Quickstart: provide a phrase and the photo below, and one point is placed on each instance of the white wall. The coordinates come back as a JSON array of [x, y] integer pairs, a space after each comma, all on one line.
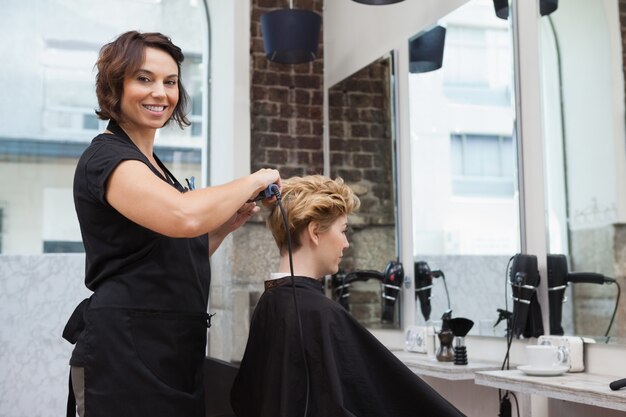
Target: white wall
[[356, 34], [230, 90], [37, 296]]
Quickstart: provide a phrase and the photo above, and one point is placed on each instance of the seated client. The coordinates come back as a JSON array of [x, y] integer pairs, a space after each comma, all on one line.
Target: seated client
[[348, 372]]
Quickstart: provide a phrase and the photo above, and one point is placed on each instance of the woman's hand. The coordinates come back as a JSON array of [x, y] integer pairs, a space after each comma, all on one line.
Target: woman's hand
[[265, 177], [238, 219]]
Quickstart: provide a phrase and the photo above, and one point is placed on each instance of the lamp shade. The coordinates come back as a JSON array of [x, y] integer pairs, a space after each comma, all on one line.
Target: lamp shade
[[547, 6], [502, 8], [290, 36], [377, 2], [426, 50]]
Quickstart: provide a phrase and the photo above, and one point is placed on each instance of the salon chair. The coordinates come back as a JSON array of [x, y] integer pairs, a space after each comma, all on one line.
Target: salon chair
[[219, 376]]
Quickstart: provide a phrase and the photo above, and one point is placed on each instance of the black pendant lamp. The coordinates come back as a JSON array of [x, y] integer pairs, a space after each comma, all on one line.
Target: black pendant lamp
[[426, 50], [547, 6], [502, 8], [290, 36], [377, 2]]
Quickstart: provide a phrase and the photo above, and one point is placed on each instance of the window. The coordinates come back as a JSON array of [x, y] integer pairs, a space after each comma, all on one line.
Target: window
[[478, 65], [463, 158], [482, 165], [68, 89], [1, 229], [50, 66]]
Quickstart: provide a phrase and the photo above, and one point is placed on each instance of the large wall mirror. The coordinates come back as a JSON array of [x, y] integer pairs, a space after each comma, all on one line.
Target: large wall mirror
[[361, 136], [583, 130], [463, 165]]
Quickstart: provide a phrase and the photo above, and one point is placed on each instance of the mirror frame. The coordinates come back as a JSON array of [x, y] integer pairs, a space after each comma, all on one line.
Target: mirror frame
[[383, 208], [525, 29]]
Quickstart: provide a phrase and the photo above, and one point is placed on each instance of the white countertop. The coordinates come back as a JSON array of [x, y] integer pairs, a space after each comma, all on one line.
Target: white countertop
[[580, 387], [422, 364]]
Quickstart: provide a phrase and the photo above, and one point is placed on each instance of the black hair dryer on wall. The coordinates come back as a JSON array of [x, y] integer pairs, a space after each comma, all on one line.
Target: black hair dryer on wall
[[558, 281], [524, 280], [393, 276], [423, 287], [424, 284], [391, 281]]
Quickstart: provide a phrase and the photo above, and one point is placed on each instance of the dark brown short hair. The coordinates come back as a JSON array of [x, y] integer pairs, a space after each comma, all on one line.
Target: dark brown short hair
[[124, 56]]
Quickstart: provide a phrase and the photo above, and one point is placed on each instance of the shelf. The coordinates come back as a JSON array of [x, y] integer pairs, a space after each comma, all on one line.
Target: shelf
[[422, 364], [579, 387]]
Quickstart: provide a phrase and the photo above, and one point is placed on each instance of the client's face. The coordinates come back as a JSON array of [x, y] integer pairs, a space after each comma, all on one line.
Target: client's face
[[332, 244]]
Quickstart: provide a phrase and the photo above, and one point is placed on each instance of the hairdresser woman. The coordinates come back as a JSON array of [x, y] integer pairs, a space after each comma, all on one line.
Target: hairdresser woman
[[141, 337]]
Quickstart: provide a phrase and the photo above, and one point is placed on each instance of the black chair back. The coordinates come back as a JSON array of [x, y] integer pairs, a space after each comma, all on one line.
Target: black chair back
[[219, 376]]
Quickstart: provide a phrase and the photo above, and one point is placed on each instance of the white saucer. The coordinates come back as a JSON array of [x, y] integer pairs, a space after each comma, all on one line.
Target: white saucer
[[530, 370]]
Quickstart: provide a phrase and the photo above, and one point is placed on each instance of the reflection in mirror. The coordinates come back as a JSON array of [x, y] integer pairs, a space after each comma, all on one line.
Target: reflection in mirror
[[463, 153], [583, 117], [362, 153]]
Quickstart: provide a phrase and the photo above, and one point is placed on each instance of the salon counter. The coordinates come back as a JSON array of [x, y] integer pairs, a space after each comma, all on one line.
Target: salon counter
[[423, 364], [579, 387], [474, 388]]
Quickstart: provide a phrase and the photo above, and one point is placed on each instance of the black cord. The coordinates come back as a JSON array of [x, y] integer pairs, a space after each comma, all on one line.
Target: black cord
[[619, 291], [443, 276], [342, 289], [516, 402], [509, 335], [295, 300], [509, 330]]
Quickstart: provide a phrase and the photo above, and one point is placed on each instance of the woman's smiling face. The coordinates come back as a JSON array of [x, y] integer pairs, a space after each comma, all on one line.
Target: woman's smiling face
[[151, 93]]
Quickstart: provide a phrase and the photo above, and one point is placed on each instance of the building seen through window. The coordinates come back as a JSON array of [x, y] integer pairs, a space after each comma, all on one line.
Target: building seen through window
[[49, 52], [464, 173], [483, 165]]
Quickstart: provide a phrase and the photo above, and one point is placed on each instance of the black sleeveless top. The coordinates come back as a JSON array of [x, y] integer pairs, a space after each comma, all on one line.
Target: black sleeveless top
[[127, 264]]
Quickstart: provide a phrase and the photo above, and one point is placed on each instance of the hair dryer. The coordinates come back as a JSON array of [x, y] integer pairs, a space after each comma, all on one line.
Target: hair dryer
[[391, 280], [424, 284], [341, 283], [558, 281], [392, 284], [342, 288], [524, 280]]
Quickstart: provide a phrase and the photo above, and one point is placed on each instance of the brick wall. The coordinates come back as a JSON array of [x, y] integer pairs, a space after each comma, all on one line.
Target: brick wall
[[360, 139], [287, 134], [286, 103], [361, 152]]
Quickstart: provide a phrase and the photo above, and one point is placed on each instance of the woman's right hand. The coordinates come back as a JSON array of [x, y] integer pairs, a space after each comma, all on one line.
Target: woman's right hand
[[264, 177]]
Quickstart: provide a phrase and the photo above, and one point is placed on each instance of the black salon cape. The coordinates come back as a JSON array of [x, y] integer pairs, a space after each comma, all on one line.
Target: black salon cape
[[351, 372]]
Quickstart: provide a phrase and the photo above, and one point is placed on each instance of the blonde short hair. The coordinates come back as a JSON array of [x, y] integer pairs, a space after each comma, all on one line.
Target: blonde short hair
[[307, 199]]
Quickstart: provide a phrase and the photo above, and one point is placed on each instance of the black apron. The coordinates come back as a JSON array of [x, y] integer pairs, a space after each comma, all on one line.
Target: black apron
[[140, 360], [150, 361]]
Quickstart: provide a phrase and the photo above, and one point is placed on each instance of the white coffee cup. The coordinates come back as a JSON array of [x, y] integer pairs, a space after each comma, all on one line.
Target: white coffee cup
[[544, 356]]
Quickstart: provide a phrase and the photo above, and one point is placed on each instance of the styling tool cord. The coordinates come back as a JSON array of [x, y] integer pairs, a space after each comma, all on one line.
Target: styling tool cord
[[619, 291], [504, 401], [295, 301], [516, 403], [445, 286], [509, 331]]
